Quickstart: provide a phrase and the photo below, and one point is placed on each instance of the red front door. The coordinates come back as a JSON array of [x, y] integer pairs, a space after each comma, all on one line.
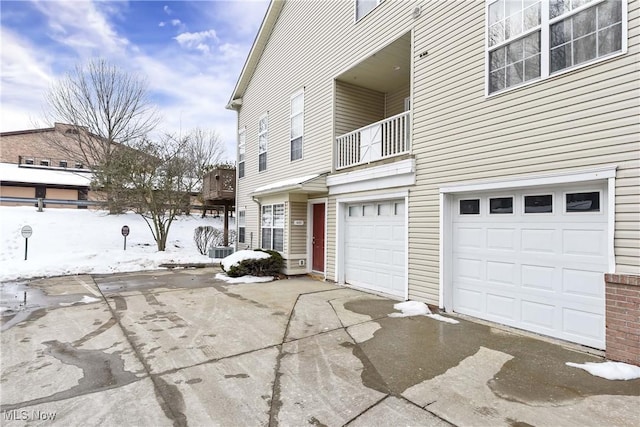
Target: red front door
[[318, 237]]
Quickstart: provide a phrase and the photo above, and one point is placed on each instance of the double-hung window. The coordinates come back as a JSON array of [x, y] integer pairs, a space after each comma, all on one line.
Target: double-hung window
[[242, 217], [241, 147], [263, 142], [273, 227], [297, 125], [532, 39]]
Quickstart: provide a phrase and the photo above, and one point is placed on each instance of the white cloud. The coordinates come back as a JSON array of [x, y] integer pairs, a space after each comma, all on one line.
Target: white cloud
[[161, 24], [197, 40], [26, 75], [167, 10], [175, 22], [81, 26]]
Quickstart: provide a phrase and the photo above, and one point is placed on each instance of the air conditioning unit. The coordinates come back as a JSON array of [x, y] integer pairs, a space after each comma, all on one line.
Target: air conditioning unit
[[220, 252]]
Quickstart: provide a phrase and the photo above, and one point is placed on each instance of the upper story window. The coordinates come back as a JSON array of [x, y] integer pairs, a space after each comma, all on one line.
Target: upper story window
[[263, 142], [532, 39], [363, 7], [241, 147], [297, 125]]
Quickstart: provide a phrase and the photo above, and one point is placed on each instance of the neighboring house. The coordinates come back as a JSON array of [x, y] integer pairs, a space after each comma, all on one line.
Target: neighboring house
[[33, 165], [479, 156]]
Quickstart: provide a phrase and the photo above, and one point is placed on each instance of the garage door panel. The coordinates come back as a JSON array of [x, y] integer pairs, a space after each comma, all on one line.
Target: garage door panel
[[503, 273], [582, 323], [537, 277], [504, 307], [538, 314], [538, 271], [538, 240], [469, 237], [469, 268], [501, 239], [584, 242], [582, 283], [469, 301]]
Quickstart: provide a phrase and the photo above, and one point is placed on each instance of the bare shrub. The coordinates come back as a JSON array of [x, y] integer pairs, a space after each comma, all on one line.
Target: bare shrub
[[206, 236], [203, 237]]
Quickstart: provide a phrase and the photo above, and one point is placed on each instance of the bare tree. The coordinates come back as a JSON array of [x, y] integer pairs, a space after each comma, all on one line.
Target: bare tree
[[107, 108], [157, 179]]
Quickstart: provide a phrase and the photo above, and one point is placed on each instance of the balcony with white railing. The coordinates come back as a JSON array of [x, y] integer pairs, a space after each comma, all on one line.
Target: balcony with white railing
[[380, 140]]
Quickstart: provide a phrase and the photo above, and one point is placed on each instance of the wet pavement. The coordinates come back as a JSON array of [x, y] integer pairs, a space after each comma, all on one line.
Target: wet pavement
[[178, 347]]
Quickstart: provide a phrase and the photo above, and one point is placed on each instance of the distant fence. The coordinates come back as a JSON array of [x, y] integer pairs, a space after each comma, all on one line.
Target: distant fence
[[45, 201], [34, 200]]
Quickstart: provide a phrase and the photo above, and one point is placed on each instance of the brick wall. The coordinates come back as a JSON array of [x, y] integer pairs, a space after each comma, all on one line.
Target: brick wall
[[38, 143], [623, 318]]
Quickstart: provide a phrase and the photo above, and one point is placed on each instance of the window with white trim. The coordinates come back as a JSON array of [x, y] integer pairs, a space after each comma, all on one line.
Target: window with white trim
[[273, 227], [297, 125], [241, 148], [363, 7], [532, 39], [263, 142], [242, 215]]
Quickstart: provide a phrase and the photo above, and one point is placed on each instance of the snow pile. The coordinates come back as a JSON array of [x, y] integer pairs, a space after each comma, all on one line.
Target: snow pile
[[237, 257], [415, 308], [411, 308], [83, 241], [609, 370], [244, 279]]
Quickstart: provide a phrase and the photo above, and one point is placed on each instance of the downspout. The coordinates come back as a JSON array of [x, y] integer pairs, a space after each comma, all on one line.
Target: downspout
[[259, 218]]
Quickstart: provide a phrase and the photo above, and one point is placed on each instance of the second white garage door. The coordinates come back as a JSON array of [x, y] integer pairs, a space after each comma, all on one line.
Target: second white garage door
[[534, 259], [375, 246]]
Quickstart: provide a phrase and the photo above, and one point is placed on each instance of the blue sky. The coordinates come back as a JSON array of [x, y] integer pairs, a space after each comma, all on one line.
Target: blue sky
[[191, 52]]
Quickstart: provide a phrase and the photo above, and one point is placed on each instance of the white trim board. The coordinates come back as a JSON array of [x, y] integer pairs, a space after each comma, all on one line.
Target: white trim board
[[519, 181]]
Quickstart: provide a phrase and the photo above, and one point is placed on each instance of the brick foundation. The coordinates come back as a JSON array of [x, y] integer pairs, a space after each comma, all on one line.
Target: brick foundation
[[623, 318]]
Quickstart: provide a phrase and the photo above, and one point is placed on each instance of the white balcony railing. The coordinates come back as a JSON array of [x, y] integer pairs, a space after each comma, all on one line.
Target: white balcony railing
[[377, 141]]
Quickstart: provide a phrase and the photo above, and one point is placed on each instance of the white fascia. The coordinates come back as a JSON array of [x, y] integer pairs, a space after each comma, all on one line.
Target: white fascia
[[396, 174]]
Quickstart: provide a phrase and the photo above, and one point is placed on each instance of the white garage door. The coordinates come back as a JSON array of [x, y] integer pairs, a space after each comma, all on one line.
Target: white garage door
[[375, 246], [534, 259]]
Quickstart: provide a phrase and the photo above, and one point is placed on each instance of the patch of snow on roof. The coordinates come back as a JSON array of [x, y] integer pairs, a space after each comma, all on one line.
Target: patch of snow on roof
[[244, 279], [14, 173], [286, 183], [609, 370], [236, 257], [416, 308]]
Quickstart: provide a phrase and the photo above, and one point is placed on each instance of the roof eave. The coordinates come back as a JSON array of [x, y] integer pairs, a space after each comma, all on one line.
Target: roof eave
[[268, 22]]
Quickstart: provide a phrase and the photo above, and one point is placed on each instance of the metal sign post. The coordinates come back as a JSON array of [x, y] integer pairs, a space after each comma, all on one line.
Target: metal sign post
[[26, 232], [125, 233]]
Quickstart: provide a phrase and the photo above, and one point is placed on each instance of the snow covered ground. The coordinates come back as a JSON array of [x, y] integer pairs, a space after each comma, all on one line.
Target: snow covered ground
[[77, 241]]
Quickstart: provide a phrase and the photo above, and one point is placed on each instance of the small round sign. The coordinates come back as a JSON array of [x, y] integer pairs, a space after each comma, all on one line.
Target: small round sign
[[26, 231], [125, 230]]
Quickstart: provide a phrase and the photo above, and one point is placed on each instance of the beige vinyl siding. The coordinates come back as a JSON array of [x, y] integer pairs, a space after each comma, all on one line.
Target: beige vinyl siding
[[293, 59], [394, 102], [584, 118], [356, 107], [297, 233]]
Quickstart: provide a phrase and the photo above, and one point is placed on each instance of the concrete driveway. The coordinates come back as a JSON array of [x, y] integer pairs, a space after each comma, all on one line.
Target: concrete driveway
[[181, 348]]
